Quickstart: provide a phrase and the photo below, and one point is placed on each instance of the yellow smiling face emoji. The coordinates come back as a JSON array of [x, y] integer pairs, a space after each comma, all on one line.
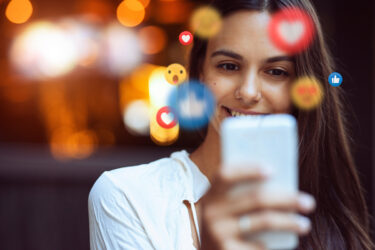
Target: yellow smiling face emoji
[[175, 74]]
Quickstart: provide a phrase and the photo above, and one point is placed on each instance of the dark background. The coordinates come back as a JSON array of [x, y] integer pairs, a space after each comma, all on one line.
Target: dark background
[[43, 202]]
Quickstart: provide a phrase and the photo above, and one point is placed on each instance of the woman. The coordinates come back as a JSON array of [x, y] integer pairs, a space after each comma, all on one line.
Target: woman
[[158, 205]]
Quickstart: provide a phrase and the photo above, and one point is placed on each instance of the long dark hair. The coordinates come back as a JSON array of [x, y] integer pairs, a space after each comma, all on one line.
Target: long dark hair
[[327, 169]]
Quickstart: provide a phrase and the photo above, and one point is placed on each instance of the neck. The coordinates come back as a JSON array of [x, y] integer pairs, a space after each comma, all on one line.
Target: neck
[[207, 156]]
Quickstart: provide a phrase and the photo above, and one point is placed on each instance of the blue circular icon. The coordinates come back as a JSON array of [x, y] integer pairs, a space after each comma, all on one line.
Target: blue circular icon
[[194, 104], [335, 79]]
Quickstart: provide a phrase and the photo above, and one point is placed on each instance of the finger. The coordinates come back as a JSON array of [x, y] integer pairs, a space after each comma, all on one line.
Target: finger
[[235, 174], [260, 200], [238, 244], [273, 221], [232, 227], [225, 180], [226, 233]]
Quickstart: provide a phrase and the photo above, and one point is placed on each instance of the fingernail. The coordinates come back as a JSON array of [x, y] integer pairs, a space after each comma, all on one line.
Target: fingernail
[[306, 201], [303, 223]]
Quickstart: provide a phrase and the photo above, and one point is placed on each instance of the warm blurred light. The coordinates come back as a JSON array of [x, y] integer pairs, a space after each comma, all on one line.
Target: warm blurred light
[[19, 11], [121, 50], [86, 38], [44, 50], [135, 86], [159, 90], [66, 143], [130, 13], [17, 94], [159, 135], [95, 10], [137, 117], [145, 3], [206, 22], [169, 12], [153, 39], [105, 137], [133, 91]]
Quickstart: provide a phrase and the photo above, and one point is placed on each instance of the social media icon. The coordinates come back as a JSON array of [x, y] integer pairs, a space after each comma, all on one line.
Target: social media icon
[[291, 30], [166, 118], [306, 93], [335, 79], [186, 38], [194, 104], [175, 74], [205, 22]]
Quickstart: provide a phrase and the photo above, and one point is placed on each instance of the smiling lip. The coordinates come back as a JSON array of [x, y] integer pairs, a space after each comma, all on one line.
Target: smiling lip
[[247, 112]]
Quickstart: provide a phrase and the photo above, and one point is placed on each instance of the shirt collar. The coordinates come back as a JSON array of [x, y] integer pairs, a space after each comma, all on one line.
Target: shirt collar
[[199, 183]]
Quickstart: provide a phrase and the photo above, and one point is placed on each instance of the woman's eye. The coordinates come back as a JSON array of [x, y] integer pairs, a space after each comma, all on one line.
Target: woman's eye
[[228, 66], [277, 72]]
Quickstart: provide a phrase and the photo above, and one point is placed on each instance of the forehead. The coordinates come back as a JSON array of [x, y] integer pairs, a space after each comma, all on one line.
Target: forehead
[[246, 33]]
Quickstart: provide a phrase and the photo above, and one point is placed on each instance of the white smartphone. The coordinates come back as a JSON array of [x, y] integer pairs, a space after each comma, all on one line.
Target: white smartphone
[[269, 140]]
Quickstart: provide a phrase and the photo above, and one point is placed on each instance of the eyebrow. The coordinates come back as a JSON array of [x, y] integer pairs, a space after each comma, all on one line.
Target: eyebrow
[[227, 53], [279, 58], [239, 57]]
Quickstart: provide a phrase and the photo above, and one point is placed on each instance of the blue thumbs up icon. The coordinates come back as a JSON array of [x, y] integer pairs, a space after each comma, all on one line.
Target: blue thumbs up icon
[[335, 79]]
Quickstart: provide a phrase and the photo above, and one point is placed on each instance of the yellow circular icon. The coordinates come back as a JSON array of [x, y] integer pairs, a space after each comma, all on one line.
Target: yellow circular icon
[[307, 93], [175, 74], [205, 22]]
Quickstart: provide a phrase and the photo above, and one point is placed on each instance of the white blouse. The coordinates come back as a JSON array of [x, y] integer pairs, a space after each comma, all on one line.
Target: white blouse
[[141, 207]]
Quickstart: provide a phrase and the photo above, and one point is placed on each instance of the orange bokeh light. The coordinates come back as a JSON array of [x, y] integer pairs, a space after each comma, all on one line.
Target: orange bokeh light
[[67, 143], [145, 3], [19, 11], [130, 13], [153, 39]]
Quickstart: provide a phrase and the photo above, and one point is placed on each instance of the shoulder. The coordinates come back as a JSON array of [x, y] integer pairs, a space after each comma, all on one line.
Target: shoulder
[[154, 179]]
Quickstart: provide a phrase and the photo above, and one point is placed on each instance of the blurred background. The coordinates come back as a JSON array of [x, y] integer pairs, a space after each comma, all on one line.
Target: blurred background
[[78, 82]]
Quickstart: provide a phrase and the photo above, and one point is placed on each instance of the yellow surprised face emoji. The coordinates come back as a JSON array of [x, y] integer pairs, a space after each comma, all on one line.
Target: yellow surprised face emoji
[[175, 74]]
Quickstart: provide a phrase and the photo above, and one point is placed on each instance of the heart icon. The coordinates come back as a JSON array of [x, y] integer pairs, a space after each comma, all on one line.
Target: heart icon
[[291, 31], [185, 38], [167, 118]]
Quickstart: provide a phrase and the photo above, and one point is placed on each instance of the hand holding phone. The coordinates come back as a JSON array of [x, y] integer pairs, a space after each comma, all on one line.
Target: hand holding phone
[[264, 141]]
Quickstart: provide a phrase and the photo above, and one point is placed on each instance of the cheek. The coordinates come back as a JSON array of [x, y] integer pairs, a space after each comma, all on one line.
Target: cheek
[[220, 86], [220, 89], [278, 98]]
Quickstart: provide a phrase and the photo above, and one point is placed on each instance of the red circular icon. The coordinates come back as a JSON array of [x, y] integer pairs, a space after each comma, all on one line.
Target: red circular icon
[[166, 118], [186, 38], [291, 30]]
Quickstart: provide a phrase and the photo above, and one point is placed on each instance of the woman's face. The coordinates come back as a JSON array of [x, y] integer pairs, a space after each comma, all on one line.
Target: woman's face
[[245, 72]]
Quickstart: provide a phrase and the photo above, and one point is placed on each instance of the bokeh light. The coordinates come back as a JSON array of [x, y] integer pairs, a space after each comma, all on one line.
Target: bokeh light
[[206, 22], [159, 88], [67, 144], [86, 38], [43, 50], [159, 91], [121, 52], [145, 3], [19, 11], [95, 10], [153, 39], [130, 13], [137, 117]]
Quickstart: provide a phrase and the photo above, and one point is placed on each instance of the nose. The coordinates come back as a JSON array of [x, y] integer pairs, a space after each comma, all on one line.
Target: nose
[[250, 89]]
